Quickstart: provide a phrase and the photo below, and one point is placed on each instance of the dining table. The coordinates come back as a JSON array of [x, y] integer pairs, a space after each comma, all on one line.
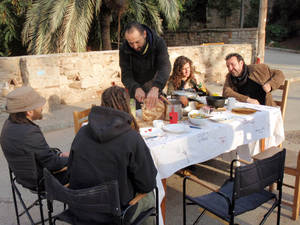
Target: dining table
[[236, 134]]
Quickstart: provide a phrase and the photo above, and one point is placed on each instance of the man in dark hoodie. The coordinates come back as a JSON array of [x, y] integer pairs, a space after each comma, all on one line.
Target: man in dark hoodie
[[109, 148], [144, 62]]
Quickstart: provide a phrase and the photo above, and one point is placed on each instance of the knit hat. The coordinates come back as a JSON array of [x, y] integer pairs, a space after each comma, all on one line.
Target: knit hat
[[23, 99]]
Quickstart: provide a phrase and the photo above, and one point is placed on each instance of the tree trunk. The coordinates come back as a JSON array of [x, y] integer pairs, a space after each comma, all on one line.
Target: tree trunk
[[260, 55], [242, 14], [105, 28]]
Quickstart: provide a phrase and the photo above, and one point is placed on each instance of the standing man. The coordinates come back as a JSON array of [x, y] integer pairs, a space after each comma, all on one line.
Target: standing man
[[144, 62], [250, 83], [21, 135]]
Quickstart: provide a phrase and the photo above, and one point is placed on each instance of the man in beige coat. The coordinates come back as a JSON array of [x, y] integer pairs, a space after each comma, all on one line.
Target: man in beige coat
[[251, 83]]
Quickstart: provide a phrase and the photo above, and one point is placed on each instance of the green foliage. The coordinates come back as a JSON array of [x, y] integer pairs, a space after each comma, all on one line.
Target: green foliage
[[284, 12], [224, 7], [12, 14], [65, 25], [251, 19], [192, 11], [276, 32]]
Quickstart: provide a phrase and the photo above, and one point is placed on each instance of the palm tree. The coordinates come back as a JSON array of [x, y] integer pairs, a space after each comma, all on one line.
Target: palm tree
[[12, 16], [64, 25]]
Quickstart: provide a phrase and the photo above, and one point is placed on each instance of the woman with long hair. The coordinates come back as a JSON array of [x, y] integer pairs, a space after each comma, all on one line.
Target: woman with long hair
[[182, 78], [110, 148]]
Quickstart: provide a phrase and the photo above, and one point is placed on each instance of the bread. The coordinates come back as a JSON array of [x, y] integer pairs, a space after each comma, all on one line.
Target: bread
[[155, 113], [244, 110]]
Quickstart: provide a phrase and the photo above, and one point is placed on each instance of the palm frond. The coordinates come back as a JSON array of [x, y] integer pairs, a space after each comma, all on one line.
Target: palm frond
[[136, 10], [170, 10], [97, 6], [76, 25], [151, 16], [56, 14]]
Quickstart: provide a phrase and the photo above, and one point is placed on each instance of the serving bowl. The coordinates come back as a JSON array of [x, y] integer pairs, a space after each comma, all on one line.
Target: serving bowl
[[197, 117], [215, 101]]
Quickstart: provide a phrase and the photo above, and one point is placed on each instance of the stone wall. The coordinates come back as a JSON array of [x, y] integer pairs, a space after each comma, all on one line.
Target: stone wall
[[227, 36], [70, 78]]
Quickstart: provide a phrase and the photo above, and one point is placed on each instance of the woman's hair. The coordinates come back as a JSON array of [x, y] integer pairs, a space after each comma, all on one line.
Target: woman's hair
[[117, 98], [177, 75]]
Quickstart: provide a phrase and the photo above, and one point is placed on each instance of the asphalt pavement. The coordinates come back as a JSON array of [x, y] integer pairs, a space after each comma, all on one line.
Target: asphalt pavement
[[58, 128]]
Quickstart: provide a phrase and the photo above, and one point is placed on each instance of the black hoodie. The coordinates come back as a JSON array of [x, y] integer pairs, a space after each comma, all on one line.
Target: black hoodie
[[138, 69], [109, 149]]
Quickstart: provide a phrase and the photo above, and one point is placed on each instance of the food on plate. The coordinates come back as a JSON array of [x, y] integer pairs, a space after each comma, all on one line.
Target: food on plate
[[155, 113], [198, 116], [243, 110], [199, 105]]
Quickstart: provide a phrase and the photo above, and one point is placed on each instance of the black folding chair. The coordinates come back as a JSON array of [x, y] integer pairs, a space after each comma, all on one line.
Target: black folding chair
[[245, 190], [25, 172], [91, 202]]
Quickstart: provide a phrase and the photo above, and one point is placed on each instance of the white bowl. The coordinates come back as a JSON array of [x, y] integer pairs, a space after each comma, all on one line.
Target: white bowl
[[190, 107], [198, 120]]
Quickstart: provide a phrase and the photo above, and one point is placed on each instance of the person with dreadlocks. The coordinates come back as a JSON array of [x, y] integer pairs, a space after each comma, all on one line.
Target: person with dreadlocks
[[183, 78], [109, 148]]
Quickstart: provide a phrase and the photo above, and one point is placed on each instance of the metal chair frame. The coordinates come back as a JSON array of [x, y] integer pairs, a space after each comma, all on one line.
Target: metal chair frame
[[110, 204], [38, 191], [235, 192]]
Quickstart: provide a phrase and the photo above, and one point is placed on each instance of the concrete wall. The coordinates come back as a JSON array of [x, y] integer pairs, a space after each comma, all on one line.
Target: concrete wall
[[70, 78]]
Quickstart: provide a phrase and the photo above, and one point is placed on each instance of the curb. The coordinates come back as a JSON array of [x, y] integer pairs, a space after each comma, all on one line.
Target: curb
[[284, 50]]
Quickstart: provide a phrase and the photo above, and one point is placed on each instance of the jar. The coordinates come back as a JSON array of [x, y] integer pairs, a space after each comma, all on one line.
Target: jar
[[176, 104]]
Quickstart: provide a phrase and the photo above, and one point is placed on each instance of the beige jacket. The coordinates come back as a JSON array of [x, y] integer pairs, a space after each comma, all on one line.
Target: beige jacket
[[261, 74]]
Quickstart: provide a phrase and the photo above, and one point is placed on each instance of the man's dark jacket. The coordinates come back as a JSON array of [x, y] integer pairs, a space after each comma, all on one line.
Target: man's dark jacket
[[137, 69], [106, 149], [17, 139]]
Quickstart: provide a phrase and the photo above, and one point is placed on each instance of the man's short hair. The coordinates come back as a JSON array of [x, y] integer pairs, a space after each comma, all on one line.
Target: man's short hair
[[134, 25], [238, 56]]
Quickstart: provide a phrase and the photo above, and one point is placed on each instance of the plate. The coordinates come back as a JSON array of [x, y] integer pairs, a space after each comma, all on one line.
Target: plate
[[176, 128], [220, 117], [147, 132], [188, 94]]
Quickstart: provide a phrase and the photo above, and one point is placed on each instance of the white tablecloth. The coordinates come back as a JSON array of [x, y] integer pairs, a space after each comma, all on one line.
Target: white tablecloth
[[172, 152]]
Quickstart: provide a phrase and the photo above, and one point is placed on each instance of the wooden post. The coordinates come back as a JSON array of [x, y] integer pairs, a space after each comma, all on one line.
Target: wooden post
[[262, 30]]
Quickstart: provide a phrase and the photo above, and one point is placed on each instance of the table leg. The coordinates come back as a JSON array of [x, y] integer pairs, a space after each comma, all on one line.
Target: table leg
[[262, 145], [163, 202]]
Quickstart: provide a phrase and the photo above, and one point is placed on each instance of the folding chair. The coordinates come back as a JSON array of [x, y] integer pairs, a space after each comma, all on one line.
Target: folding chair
[[94, 201], [25, 172], [292, 167], [243, 191]]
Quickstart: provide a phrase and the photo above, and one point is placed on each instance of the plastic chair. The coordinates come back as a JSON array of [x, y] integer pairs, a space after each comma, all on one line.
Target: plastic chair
[[25, 172], [292, 167], [243, 191], [94, 201]]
